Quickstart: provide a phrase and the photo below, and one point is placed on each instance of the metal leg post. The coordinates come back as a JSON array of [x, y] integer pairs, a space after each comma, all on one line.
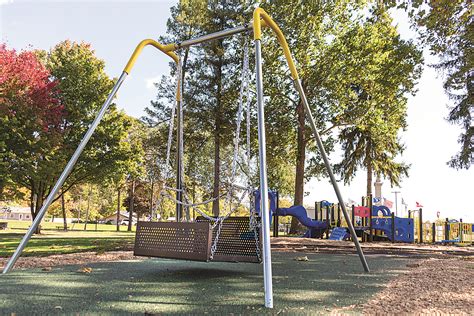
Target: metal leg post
[[70, 165], [264, 209], [331, 174]]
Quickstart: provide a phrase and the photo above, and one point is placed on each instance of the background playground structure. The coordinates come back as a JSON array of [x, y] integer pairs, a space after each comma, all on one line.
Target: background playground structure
[[380, 224]]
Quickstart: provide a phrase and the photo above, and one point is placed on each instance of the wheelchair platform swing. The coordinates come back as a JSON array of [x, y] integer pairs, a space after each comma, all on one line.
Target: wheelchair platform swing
[[194, 240]]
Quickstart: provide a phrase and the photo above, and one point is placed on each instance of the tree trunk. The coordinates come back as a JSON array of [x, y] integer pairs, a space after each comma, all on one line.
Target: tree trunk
[[63, 208], [38, 205], [217, 138], [369, 170], [300, 166], [88, 207], [79, 210], [33, 207], [217, 172], [131, 206], [118, 210], [151, 200]]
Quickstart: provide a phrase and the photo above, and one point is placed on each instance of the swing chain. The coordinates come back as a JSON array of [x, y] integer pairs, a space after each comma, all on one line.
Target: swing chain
[[231, 186]]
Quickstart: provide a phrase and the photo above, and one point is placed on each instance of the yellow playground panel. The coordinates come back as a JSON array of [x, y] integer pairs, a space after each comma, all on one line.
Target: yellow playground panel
[[447, 232], [461, 232]]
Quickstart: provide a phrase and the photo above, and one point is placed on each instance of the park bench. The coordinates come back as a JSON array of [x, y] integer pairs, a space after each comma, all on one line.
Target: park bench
[[3, 225]]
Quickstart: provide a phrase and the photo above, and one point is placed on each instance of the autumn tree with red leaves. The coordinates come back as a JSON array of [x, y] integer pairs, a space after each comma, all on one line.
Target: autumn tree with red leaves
[[30, 112], [48, 101]]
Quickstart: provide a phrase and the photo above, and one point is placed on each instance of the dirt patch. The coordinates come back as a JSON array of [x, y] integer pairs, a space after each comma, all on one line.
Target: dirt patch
[[285, 244], [67, 259], [434, 286], [331, 246]]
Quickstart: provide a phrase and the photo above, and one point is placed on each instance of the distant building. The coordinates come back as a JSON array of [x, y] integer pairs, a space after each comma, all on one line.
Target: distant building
[[123, 216], [60, 220], [18, 213]]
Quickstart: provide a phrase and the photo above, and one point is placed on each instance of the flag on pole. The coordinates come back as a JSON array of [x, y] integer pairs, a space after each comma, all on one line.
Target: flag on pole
[[376, 200], [418, 204], [387, 203], [352, 202]]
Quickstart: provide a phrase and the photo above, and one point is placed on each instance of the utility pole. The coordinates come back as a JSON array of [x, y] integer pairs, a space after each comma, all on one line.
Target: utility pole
[[396, 203]]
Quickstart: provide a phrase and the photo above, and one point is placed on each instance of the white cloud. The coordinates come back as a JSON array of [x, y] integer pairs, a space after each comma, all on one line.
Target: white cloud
[[150, 82], [4, 2]]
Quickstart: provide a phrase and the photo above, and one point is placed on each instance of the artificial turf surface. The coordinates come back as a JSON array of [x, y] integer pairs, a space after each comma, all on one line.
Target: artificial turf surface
[[324, 283]]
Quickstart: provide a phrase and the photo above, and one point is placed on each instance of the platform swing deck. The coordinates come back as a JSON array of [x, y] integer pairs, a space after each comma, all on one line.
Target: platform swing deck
[[200, 231], [192, 241]]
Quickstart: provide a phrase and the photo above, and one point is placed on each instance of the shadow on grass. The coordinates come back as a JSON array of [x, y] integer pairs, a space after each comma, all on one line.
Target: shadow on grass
[[323, 283]]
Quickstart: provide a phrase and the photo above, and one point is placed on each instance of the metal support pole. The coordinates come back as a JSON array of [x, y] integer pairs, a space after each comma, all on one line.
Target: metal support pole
[[316, 210], [393, 227], [276, 221], [433, 237], [331, 174], [446, 229], [63, 176], [321, 210], [265, 213], [328, 221], [179, 184], [353, 214], [371, 210], [420, 222]]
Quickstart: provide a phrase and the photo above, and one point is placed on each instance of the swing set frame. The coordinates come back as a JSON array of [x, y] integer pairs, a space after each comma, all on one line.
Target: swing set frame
[[260, 19]]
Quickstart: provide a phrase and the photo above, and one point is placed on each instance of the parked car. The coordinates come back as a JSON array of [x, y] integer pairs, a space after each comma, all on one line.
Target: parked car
[[125, 222]]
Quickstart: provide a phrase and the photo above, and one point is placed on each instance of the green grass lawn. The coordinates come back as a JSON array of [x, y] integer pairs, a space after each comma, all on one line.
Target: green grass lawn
[[54, 241], [23, 225]]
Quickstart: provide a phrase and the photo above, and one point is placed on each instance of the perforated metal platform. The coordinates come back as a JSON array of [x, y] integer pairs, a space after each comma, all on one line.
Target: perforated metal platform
[[236, 242], [192, 241]]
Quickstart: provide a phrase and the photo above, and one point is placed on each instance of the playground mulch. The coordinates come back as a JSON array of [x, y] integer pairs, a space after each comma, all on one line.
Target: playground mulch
[[282, 244], [81, 258], [431, 286], [387, 248]]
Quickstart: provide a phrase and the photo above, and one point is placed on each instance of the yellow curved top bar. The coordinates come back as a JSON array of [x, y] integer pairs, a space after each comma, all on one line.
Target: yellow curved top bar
[[167, 49], [260, 14]]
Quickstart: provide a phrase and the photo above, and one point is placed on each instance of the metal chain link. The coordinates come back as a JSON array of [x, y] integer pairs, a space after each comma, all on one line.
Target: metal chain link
[[167, 173], [229, 196], [243, 87]]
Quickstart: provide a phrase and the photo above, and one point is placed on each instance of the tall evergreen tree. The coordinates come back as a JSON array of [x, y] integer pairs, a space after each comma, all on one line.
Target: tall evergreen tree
[[447, 28], [370, 140], [210, 91], [339, 50]]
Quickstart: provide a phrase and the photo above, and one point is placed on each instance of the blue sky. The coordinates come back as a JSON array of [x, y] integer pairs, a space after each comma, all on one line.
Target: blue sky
[[115, 27]]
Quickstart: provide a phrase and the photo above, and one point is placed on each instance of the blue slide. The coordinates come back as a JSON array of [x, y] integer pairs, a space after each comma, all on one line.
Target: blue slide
[[315, 228], [299, 212]]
